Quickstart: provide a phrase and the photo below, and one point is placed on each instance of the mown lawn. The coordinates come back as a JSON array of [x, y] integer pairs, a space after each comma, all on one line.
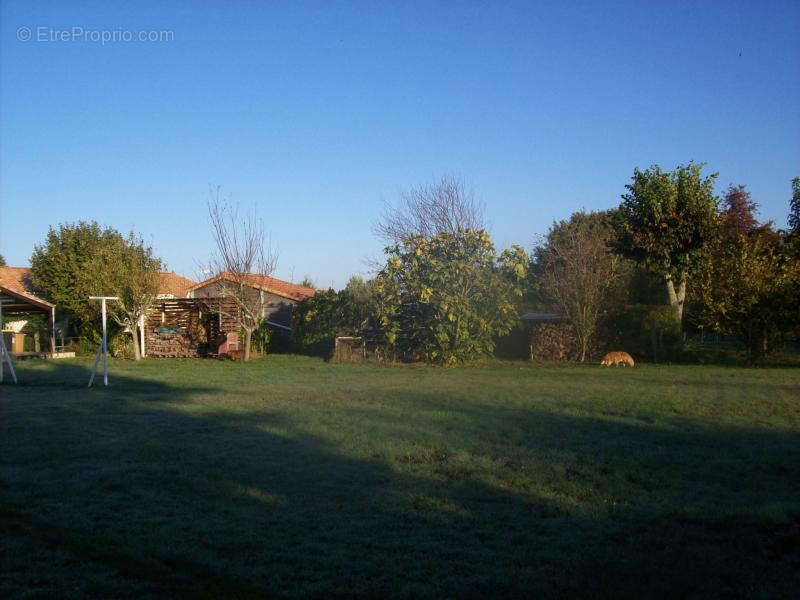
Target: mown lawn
[[293, 477]]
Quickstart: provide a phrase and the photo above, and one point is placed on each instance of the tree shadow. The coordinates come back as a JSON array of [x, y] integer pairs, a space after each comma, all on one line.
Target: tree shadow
[[141, 490]]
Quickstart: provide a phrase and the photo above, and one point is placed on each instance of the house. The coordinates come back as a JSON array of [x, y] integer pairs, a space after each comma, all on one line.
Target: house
[[19, 297], [172, 285], [200, 319], [277, 297]]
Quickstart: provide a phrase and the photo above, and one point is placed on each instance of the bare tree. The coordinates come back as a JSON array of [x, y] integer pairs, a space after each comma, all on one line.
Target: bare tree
[[575, 269], [244, 260], [440, 207]]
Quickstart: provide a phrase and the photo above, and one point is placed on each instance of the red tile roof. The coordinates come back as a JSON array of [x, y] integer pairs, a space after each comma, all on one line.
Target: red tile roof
[[172, 284], [269, 284], [18, 278], [18, 281]]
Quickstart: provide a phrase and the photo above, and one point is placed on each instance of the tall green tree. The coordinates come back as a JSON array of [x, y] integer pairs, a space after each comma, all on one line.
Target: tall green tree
[[747, 280], [2, 261], [82, 259], [665, 221], [794, 208], [445, 297], [130, 271], [65, 267], [577, 272]]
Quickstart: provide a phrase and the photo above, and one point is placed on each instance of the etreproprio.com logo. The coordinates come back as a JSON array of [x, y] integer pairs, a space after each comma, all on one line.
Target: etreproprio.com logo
[[95, 36]]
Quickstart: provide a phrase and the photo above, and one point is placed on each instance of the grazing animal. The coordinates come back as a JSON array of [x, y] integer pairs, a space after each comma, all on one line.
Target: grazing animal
[[617, 358]]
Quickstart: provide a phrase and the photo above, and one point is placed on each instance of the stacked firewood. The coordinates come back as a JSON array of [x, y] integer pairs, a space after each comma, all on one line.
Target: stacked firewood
[[552, 341]]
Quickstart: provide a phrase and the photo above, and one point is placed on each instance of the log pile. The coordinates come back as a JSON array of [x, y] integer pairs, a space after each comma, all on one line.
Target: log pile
[[552, 341], [189, 327]]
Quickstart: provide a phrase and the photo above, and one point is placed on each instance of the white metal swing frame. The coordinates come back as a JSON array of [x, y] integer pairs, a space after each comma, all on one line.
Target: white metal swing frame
[[4, 355], [103, 350]]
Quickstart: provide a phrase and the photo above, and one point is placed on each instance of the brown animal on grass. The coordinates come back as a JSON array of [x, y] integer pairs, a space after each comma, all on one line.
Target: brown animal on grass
[[617, 358]]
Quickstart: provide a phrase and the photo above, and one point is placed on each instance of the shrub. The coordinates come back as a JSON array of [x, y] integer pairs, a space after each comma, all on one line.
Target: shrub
[[647, 332], [120, 345], [260, 340], [319, 320]]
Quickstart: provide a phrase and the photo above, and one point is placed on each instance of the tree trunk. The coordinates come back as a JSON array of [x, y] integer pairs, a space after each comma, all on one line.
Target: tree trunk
[[137, 355], [759, 344], [676, 298], [248, 334]]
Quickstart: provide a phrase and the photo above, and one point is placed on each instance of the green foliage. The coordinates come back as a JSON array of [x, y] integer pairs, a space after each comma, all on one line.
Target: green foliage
[[261, 337], [2, 261], [666, 218], [34, 321], [129, 270], [574, 271], [647, 332], [317, 321], [750, 280], [120, 345], [748, 287], [794, 207], [65, 268], [444, 299], [81, 260]]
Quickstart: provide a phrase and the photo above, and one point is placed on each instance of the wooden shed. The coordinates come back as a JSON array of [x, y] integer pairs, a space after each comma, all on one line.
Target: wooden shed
[[189, 327], [17, 300]]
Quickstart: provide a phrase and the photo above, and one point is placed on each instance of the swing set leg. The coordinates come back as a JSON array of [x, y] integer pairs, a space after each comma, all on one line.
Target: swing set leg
[[4, 356]]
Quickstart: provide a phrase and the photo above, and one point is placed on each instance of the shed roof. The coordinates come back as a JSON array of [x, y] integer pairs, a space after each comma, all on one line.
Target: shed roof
[[16, 286], [269, 284], [172, 284], [16, 300], [542, 316]]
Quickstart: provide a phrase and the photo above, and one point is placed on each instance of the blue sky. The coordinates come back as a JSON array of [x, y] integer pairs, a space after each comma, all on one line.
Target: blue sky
[[320, 112]]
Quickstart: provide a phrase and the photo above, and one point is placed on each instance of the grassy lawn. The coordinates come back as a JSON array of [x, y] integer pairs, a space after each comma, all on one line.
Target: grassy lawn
[[293, 477]]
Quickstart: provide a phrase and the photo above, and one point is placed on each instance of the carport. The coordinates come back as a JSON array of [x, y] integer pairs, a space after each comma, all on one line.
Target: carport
[[16, 302]]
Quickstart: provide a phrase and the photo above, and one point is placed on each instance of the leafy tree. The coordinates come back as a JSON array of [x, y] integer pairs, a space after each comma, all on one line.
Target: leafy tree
[[131, 272], [575, 270], [793, 238], [2, 261], [320, 319], [746, 286], [444, 298], [308, 282], [664, 223], [365, 300], [65, 268], [81, 260], [794, 207], [737, 214]]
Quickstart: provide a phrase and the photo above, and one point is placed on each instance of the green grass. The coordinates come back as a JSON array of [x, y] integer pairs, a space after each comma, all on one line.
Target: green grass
[[293, 477]]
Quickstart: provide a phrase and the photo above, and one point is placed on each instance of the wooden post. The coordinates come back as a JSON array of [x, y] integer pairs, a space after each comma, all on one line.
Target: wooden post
[[53, 330], [103, 350], [4, 355], [142, 322]]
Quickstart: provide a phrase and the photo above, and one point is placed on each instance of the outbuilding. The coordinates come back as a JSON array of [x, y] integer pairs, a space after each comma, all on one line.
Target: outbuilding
[[18, 302]]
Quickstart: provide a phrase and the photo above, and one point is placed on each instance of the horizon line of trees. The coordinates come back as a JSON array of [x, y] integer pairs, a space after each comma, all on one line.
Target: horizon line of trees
[[671, 257]]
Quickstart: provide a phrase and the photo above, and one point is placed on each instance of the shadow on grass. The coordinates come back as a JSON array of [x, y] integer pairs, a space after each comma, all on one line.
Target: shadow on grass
[[139, 490]]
